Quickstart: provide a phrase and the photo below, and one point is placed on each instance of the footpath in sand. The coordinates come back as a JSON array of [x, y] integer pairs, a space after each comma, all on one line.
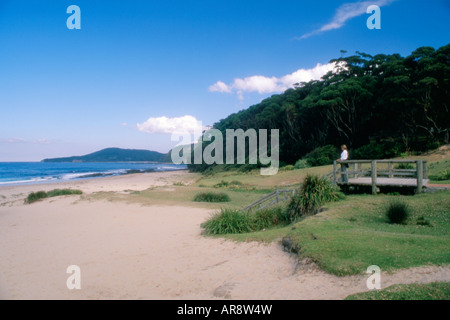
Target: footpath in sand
[[129, 251]]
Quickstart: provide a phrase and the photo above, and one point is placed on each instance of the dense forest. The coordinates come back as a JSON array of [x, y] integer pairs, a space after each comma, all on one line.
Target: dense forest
[[379, 106]]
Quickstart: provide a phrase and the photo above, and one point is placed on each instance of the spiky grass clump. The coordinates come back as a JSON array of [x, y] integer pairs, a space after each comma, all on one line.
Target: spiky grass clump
[[397, 212], [36, 196], [228, 221], [233, 221], [211, 197], [314, 192]]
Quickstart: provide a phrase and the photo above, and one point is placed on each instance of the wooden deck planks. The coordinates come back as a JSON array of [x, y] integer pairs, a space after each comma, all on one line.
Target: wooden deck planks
[[400, 182]]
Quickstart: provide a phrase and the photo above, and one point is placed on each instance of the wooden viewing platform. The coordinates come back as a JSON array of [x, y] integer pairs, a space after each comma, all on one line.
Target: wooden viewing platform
[[381, 173], [373, 173]]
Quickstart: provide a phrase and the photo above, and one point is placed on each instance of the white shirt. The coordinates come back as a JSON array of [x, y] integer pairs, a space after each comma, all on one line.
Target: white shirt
[[344, 155]]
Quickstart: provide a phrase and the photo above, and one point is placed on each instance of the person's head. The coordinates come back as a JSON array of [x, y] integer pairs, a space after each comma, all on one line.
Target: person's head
[[344, 147]]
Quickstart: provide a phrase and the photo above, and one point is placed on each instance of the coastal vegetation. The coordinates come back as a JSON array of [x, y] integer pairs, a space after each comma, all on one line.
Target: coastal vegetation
[[313, 192], [344, 237], [380, 106], [39, 195], [235, 221], [397, 212], [212, 197]]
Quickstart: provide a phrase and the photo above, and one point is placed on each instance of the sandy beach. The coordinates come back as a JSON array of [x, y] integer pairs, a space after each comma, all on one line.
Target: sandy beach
[[132, 251]]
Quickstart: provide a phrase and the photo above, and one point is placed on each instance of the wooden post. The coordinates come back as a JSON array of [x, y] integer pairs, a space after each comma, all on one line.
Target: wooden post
[[277, 196], [374, 177], [419, 168], [355, 175], [390, 170], [334, 172], [425, 169]]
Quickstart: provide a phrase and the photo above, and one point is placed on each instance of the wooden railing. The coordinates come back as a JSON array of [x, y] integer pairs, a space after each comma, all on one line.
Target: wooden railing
[[380, 169], [377, 169], [270, 199]]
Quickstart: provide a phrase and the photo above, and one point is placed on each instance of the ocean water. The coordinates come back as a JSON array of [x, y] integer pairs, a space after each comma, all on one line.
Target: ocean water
[[17, 173]]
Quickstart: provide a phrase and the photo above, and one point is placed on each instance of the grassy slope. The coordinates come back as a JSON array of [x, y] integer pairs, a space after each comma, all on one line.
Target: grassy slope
[[349, 236], [438, 161], [354, 234]]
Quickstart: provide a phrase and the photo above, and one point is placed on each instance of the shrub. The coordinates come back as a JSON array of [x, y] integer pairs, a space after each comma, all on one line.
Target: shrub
[[422, 221], [63, 192], [289, 167], [314, 192], [211, 197], [228, 221], [322, 156], [235, 221], [36, 196], [302, 164], [269, 217], [221, 184], [403, 166], [397, 212], [443, 175], [248, 167], [378, 150]]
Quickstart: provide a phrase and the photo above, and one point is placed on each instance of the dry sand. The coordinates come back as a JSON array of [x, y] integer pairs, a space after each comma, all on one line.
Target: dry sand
[[128, 251]]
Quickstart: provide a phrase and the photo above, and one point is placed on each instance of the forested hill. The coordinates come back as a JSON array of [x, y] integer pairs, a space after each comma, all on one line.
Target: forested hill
[[379, 106], [115, 155]]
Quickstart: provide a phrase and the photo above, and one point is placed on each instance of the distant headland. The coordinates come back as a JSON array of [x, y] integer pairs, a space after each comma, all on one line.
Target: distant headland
[[117, 155]]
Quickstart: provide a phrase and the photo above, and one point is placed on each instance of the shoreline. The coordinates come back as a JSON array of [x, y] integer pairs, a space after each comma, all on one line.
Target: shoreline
[[33, 173], [118, 183]]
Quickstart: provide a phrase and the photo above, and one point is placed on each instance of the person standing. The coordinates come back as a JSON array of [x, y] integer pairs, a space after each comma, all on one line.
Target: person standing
[[344, 166]]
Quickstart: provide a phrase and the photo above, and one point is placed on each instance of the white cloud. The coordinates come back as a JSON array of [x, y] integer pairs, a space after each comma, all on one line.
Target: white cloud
[[264, 85], [15, 140], [346, 12], [177, 125], [219, 86]]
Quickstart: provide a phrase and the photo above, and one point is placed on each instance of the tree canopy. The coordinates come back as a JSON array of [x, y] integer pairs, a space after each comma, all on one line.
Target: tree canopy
[[377, 105]]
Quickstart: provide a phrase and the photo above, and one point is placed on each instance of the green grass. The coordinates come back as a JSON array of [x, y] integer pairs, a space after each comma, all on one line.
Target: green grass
[[439, 171], [235, 221], [431, 291], [354, 233], [228, 221], [36, 196], [181, 196], [314, 192], [212, 197]]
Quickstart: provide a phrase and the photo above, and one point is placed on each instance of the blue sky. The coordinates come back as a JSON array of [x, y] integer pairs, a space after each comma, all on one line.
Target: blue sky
[[71, 92]]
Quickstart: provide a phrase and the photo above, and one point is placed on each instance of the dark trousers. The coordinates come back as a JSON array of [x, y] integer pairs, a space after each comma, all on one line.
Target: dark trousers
[[344, 175]]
